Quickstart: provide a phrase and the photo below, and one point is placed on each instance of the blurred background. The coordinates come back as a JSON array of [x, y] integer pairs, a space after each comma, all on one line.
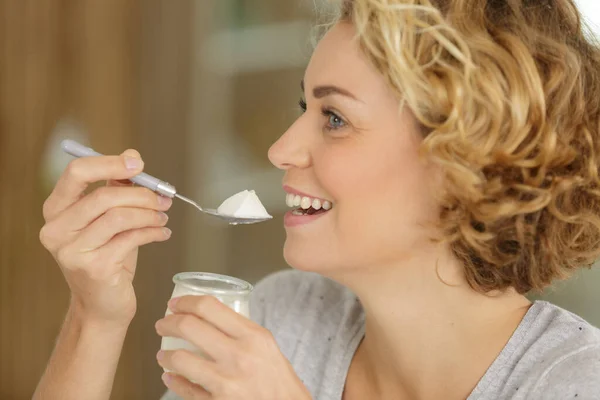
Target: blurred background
[[201, 88]]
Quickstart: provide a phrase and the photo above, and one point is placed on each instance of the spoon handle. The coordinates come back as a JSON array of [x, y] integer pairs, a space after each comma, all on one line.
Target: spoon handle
[[78, 150]]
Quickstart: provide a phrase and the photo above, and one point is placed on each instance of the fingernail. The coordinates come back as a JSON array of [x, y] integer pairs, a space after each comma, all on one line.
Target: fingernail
[[168, 232], [133, 163], [164, 201], [163, 216], [166, 378]]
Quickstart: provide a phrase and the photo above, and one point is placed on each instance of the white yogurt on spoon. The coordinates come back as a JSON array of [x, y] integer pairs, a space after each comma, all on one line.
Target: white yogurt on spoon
[[245, 204]]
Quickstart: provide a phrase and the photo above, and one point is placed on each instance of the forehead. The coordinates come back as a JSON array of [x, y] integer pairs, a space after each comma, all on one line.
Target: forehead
[[338, 60]]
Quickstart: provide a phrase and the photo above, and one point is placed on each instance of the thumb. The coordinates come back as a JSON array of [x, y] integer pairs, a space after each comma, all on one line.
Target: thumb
[[125, 182]]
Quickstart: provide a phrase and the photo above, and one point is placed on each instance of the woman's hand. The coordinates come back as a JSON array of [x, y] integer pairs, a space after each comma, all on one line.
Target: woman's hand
[[95, 237], [245, 361]]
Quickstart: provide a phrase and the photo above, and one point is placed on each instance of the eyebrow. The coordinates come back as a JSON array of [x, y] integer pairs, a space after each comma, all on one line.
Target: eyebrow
[[327, 90]]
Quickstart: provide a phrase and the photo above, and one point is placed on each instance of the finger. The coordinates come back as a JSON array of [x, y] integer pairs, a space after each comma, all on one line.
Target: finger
[[191, 367], [184, 388], [115, 221], [124, 243], [214, 312], [103, 199], [115, 253], [200, 333], [124, 182], [83, 171], [69, 224]]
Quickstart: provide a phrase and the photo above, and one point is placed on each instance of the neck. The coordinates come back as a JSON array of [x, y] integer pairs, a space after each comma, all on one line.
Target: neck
[[425, 324]]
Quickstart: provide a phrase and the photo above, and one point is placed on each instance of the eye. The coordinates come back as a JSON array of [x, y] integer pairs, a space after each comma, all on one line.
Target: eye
[[334, 121]]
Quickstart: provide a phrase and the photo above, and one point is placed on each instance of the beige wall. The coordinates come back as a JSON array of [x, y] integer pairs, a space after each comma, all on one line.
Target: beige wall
[[30, 293], [122, 72]]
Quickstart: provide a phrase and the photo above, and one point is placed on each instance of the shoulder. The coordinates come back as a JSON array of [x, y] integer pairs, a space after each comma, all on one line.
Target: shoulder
[[562, 332], [291, 293], [564, 355], [575, 374]]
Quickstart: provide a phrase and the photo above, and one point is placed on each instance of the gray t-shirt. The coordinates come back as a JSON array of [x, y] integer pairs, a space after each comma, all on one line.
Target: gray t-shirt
[[318, 324]]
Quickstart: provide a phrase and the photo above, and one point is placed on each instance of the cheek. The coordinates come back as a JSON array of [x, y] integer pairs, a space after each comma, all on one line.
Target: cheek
[[374, 180], [382, 200]]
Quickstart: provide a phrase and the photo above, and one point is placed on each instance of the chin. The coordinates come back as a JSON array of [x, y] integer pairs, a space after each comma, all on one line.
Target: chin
[[308, 256], [305, 257]]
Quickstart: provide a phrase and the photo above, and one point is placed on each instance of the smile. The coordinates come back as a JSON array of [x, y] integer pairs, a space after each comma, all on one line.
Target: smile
[[305, 208], [305, 205]]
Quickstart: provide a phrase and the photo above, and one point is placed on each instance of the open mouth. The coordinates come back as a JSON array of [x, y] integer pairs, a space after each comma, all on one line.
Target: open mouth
[[304, 205]]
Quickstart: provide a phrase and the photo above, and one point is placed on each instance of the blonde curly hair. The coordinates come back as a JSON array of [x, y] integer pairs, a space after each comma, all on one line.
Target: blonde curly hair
[[507, 93]]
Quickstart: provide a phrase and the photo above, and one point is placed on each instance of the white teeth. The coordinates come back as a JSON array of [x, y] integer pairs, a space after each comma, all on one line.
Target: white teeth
[[305, 203], [316, 204], [289, 200], [297, 212]]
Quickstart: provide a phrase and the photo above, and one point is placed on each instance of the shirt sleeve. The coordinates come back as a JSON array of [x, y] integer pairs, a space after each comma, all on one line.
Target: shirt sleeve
[[574, 376]]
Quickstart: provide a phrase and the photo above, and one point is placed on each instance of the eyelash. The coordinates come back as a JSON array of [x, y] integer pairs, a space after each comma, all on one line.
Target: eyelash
[[302, 104], [326, 113]]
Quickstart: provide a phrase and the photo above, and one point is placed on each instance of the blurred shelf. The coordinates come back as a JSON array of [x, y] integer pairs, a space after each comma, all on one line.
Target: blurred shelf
[[259, 48]]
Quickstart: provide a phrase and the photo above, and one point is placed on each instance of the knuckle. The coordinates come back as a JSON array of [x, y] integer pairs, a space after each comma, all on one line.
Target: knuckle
[[140, 235], [45, 236], [63, 256], [262, 336], [245, 362], [75, 170], [103, 194], [46, 209], [49, 239], [136, 236]]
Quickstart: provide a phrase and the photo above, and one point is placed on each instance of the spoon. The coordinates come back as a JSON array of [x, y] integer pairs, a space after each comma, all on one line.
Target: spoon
[[78, 150]]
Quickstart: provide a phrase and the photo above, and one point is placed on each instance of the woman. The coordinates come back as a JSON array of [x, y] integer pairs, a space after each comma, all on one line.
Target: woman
[[456, 143]]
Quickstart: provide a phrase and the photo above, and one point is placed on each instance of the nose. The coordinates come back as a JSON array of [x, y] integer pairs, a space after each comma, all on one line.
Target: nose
[[291, 150]]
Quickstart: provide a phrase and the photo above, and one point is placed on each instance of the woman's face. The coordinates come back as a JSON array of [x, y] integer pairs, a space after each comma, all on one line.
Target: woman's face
[[354, 148]]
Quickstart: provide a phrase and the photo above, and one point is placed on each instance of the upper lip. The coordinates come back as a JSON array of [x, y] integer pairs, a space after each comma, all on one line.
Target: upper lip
[[291, 190]]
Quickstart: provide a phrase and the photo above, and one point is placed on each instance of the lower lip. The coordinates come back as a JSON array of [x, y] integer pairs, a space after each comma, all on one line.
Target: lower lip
[[291, 220]]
